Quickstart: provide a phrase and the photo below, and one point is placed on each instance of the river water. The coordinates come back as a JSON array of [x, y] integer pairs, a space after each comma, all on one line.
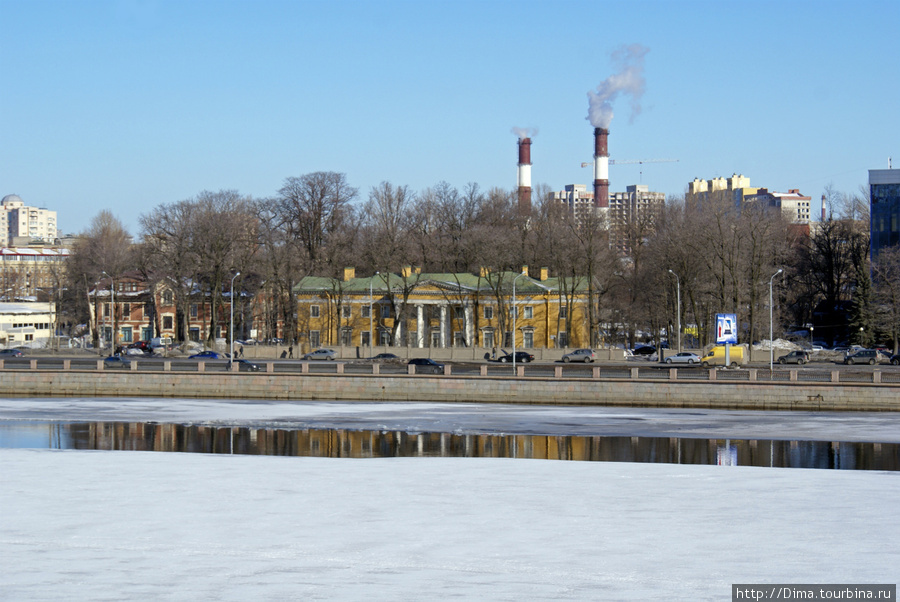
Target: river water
[[349, 443]]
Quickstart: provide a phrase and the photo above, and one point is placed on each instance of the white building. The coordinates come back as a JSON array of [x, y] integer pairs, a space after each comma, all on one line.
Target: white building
[[18, 220], [26, 324], [579, 202]]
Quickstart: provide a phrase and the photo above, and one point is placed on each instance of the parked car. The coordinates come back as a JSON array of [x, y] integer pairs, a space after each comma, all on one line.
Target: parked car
[[116, 361], [862, 356], [521, 357], [794, 357], [579, 355], [685, 357], [320, 354], [644, 350], [7, 353], [426, 365], [209, 355], [142, 346]]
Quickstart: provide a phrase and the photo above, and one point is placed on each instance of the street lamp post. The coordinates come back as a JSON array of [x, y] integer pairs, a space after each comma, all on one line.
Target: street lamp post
[[515, 310], [678, 301], [771, 334], [231, 303]]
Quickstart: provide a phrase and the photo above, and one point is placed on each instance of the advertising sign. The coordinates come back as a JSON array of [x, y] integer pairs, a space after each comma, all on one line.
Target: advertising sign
[[726, 328]]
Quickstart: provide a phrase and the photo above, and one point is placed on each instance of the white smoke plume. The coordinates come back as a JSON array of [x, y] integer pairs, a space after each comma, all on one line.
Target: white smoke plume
[[629, 81], [524, 132]]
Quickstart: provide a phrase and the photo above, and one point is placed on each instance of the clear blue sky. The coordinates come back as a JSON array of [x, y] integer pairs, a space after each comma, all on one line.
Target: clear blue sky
[[126, 104]]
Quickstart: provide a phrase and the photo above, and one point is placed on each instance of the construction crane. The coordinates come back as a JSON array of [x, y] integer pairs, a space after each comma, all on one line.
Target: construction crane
[[635, 162]]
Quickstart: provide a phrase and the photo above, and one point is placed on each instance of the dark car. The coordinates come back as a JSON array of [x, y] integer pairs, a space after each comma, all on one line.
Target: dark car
[[794, 357], [644, 350], [116, 361], [246, 366], [208, 355], [895, 359], [381, 357], [426, 365], [521, 358], [5, 353], [863, 356]]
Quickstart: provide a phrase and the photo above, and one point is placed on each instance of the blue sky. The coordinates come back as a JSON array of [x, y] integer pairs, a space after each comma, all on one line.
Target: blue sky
[[127, 104]]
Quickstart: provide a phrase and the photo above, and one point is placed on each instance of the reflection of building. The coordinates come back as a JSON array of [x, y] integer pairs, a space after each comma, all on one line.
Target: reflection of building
[[884, 193], [442, 310], [26, 324], [30, 223]]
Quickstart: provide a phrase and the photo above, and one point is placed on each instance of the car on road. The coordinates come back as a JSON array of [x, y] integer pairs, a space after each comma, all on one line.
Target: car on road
[[521, 357], [644, 350], [5, 353], [794, 357], [424, 365], [141, 346], [116, 361], [685, 357], [320, 354], [862, 356], [209, 355], [246, 366], [895, 359], [579, 355], [383, 357]]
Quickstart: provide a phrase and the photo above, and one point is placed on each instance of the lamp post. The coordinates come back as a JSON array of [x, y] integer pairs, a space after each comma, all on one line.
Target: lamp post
[[515, 310], [371, 317], [678, 301], [231, 303], [112, 315], [771, 346]]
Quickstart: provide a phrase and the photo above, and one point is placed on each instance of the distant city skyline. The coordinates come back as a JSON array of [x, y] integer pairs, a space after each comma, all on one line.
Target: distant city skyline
[[125, 105]]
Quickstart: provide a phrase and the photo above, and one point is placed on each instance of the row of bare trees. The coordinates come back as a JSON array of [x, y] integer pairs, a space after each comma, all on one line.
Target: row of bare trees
[[722, 256]]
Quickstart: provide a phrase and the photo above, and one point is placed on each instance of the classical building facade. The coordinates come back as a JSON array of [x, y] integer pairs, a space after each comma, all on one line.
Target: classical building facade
[[442, 310]]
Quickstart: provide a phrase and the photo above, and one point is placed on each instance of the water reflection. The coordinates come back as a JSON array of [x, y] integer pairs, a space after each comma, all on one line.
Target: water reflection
[[340, 443]]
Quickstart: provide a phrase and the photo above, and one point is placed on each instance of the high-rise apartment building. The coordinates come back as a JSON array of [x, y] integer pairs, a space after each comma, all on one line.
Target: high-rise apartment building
[[18, 220], [884, 195]]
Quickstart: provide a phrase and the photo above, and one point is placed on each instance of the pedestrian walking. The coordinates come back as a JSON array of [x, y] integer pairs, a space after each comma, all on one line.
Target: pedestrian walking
[[291, 352]]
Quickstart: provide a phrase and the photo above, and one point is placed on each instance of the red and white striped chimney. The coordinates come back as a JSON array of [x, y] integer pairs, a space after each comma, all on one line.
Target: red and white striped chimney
[[524, 176], [601, 168]]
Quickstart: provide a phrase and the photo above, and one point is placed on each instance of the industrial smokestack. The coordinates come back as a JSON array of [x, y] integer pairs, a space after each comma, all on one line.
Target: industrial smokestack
[[601, 168], [524, 176]]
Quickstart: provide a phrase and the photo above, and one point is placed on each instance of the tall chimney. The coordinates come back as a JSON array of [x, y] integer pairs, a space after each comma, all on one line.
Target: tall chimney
[[524, 176], [601, 168]]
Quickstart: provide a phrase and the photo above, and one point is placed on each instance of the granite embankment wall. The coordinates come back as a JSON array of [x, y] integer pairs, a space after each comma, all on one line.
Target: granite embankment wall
[[460, 389]]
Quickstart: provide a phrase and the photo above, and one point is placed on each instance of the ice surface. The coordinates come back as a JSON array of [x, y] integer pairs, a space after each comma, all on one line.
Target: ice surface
[[163, 526]]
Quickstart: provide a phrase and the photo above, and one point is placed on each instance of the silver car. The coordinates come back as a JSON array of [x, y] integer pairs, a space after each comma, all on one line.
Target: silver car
[[320, 354], [579, 355], [685, 357]]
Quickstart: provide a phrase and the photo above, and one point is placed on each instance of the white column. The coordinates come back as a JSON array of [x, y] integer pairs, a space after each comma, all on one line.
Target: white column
[[470, 326], [420, 326], [444, 318]]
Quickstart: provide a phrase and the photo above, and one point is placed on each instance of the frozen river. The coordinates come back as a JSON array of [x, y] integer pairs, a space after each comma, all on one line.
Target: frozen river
[[94, 525]]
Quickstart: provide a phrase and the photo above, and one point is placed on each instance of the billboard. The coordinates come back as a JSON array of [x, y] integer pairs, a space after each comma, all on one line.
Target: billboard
[[726, 328]]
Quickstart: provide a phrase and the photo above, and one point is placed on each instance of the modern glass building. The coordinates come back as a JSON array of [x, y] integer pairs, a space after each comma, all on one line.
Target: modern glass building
[[884, 192]]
